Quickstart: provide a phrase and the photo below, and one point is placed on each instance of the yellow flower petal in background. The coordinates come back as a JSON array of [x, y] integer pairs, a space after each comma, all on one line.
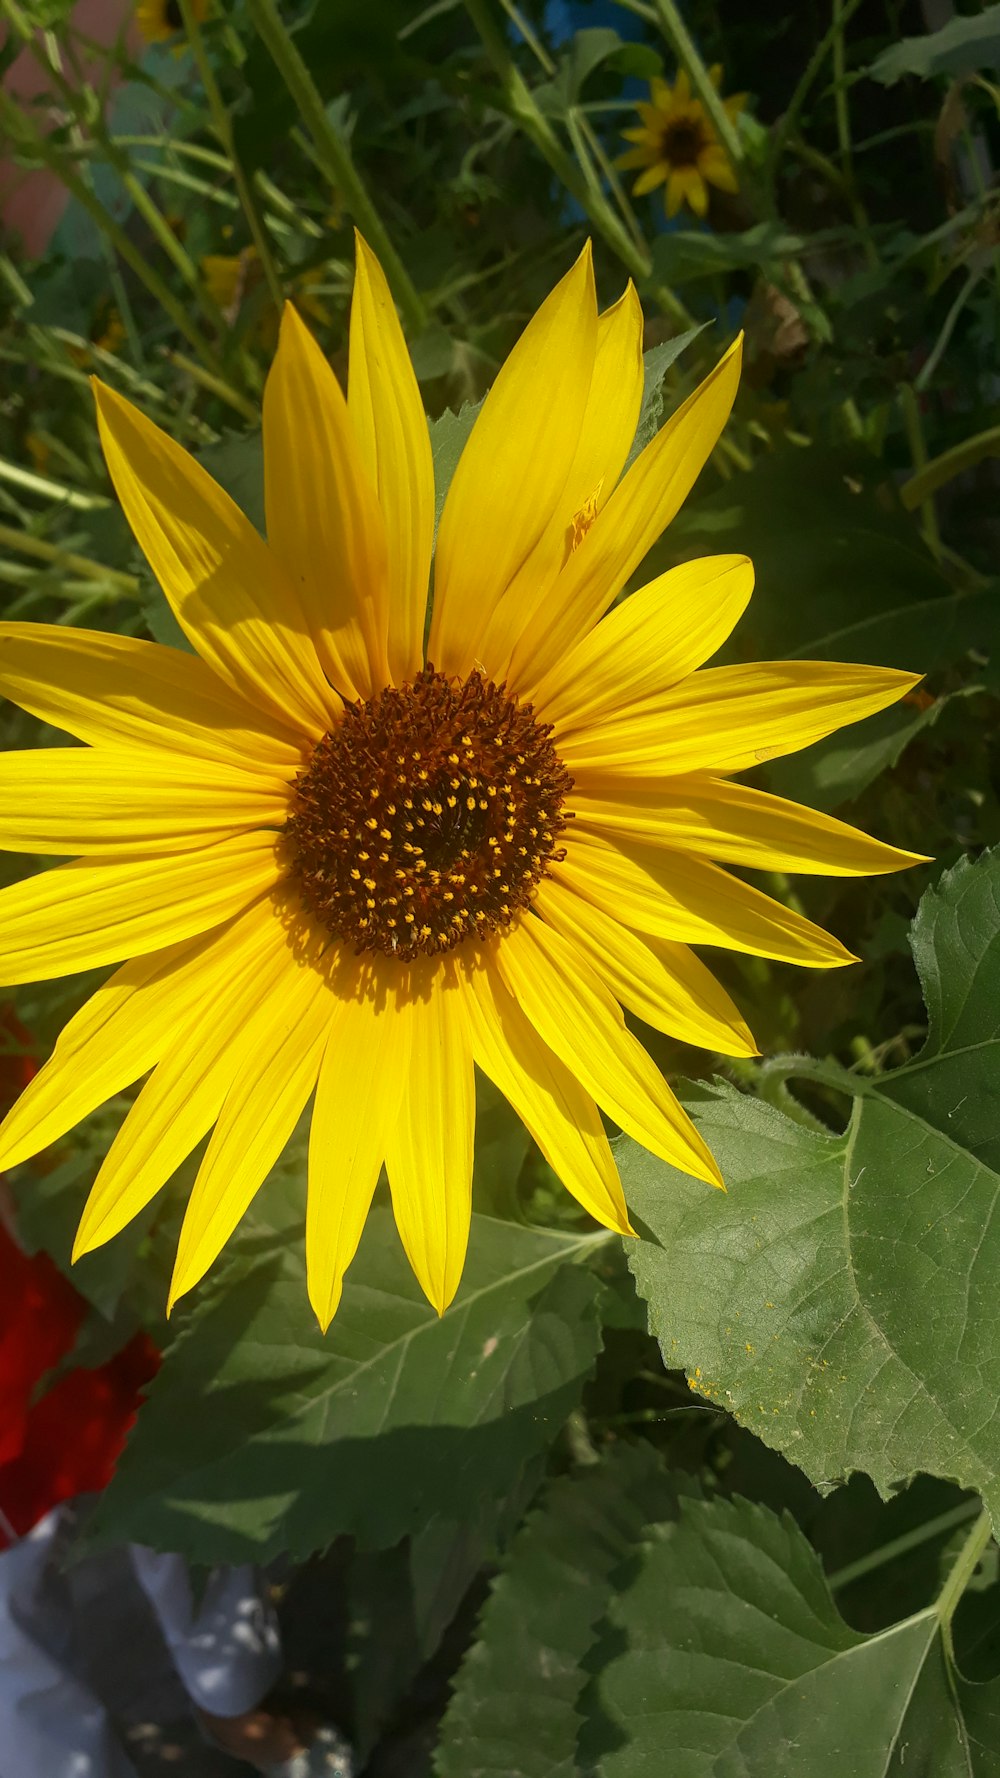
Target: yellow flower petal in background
[[738, 825], [76, 800], [195, 1069], [514, 468], [429, 1151], [365, 1062], [324, 522], [642, 505], [118, 691], [227, 591], [578, 1019], [648, 642], [668, 986], [394, 446], [726, 719], [606, 434], [79, 916], [560, 1115], [282, 1046], [673, 896]]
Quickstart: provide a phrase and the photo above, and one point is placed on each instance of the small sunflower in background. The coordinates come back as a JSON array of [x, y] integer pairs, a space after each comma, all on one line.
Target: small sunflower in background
[[159, 20], [677, 146]]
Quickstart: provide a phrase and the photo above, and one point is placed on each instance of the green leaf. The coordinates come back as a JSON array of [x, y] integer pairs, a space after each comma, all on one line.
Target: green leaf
[[449, 433], [261, 1434], [682, 256], [655, 364], [840, 1300], [515, 1706], [962, 46], [731, 1653], [587, 50]]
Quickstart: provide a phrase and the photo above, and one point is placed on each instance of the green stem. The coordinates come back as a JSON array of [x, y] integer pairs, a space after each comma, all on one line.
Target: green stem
[[942, 469], [676, 32], [222, 124], [522, 108], [50, 490], [969, 1557], [840, 88], [334, 155], [43, 551], [902, 1545], [786, 124], [910, 406]]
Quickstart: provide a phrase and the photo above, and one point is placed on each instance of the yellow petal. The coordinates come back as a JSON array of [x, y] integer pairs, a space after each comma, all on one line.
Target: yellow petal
[[387, 414], [648, 181], [324, 522], [738, 825], [641, 506], [657, 636], [116, 691], [429, 1153], [183, 1097], [606, 436], [667, 986], [716, 169], [226, 589], [365, 1063], [81, 915], [673, 896], [76, 800], [636, 157], [514, 467], [682, 88], [695, 191], [282, 1048], [551, 1103], [726, 719], [673, 197], [126, 1026], [576, 1016]]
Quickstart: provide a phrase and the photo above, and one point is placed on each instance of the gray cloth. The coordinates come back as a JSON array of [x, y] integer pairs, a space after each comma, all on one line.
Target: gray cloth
[[52, 1725]]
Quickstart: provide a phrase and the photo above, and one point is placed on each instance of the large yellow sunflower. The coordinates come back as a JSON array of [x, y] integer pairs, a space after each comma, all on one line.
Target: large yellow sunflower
[[345, 865], [677, 146]]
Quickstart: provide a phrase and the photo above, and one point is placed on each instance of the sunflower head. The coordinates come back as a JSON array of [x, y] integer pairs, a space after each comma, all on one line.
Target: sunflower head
[[676, 145], [159, 20], [348, 850]]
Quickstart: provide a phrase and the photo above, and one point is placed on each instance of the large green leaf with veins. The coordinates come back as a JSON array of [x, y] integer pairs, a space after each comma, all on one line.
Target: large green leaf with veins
[[262, 1434], [841, 1298], [726, 1658]]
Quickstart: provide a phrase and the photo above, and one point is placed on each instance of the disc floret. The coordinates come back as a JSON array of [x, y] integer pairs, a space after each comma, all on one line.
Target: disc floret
[[428, 815]]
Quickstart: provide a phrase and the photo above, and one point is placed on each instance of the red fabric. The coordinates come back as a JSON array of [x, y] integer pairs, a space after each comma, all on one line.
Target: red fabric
[[68, 1440]]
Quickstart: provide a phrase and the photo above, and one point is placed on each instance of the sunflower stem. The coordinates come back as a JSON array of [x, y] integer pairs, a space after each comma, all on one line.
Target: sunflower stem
[[334, 156], [521, 106], [969, 1558], [676, 33], [222, 124], [50, 490]]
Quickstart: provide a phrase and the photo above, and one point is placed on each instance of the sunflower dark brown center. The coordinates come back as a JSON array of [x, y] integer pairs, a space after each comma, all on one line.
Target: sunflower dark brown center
[[683, 142], [427, 816]]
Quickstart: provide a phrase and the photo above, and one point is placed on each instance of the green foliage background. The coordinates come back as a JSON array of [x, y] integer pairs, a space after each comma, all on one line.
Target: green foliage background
[[719, 1501]]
